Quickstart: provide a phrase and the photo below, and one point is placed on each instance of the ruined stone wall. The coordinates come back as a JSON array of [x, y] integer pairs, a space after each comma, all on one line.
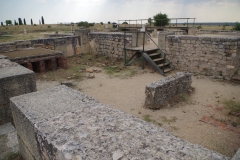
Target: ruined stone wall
[[159, 93], [109, 44], [208, 55], [14, 80], [62, 123], [69, 45]]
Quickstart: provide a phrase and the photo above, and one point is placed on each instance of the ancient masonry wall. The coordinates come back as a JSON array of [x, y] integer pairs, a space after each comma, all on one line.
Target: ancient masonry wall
[[159, 93], [110, 44], [68, 45], [14, 80], [216, 56], [62, 123]]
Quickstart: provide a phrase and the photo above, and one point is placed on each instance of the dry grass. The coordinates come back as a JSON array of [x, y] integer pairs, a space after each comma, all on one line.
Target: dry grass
[[12, 33]]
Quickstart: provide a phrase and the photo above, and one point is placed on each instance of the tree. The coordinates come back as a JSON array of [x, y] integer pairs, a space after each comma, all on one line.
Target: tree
[[101, 23], [24, 21], [39, 22], [109, 22], [150, 21], [31, 22], [83, 24], [20, 21], [125, 23], [1, 23], [8, 22], [161, 19], [236, 26], [42, 20], [15, 23]]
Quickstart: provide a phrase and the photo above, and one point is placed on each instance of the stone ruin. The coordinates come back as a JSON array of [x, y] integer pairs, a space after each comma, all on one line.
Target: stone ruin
[[62, 123], [159, 93], [14, 80]]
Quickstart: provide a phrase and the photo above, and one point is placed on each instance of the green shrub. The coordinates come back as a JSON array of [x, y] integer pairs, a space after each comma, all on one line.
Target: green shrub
[[199, 27], [48, 26], [236, 26]]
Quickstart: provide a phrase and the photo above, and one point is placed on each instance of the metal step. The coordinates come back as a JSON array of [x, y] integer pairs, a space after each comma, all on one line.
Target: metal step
[[158, 59], [163, 64], [154, 54], [167, 70]]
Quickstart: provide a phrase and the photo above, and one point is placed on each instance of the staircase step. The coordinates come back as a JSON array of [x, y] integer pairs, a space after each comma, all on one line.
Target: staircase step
[[158, 59], [154, 54], [163, 64], [167, 70]]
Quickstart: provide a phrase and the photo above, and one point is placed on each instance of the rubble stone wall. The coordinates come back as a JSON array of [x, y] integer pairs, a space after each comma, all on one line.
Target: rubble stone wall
[[62, 123], [211, 55], [159, 93], [14, 80], [68, 45], [110, 44]]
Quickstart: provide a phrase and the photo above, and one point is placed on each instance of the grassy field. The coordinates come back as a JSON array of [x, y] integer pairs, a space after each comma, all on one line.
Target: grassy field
[[12, 33]]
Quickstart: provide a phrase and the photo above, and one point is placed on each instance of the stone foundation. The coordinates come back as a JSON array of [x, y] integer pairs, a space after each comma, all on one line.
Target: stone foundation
[[159, 93], [14, 80], [208, 55], [109, 44], [68, 45], [62, 123]]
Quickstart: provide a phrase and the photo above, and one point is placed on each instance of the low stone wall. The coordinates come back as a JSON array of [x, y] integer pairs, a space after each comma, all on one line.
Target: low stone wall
[[208, 55], [62, 123], [109, 44], [159, 93], [69, 45], [14, 80]]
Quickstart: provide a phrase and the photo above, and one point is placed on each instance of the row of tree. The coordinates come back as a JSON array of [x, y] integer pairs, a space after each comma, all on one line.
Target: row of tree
[[20, 22]]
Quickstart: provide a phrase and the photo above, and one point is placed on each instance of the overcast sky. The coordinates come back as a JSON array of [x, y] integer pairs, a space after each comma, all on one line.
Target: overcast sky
[[55, 11]]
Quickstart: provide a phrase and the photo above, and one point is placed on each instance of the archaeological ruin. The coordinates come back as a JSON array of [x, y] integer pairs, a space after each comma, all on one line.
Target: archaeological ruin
[[63, 123]]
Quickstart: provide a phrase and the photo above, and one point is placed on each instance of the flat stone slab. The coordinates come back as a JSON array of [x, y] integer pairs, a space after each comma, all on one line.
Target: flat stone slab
[[3, 57], [11, 69], [67, 124]]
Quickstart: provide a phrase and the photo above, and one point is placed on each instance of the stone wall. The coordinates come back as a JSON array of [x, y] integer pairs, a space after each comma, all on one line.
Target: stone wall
[[209, 55], [62, 123], [14, 80], [109, 44], [159, 93], [69, 45]]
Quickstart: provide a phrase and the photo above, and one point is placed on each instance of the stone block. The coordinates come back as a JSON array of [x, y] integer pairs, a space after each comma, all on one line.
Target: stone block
[[3, 57], [159, 93], [66, 124], [14, 80]]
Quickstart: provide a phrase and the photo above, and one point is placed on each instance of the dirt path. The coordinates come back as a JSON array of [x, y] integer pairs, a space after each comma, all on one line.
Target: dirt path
[[182, 120]]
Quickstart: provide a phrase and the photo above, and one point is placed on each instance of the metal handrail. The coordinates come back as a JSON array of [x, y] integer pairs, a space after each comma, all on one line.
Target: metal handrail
[[161, 51]]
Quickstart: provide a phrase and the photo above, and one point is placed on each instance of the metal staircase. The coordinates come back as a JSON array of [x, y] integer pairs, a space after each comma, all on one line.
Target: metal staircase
[[155, 57]]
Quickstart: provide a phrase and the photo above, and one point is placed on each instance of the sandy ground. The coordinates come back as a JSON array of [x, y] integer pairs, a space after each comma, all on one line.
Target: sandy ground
[[182, 120]]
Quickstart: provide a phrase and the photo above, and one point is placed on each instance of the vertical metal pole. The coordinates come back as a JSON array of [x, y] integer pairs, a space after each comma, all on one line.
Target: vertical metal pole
[[137, 40], [124, 48], [143, 39]]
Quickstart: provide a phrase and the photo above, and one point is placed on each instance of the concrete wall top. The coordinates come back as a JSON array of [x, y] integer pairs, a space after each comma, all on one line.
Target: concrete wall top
[[71, 125], [10, 69], [110, 33], [208, 37]]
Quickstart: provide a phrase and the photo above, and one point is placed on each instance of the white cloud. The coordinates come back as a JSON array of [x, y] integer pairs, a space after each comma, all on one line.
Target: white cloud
[[42, 0], [86, 2]]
